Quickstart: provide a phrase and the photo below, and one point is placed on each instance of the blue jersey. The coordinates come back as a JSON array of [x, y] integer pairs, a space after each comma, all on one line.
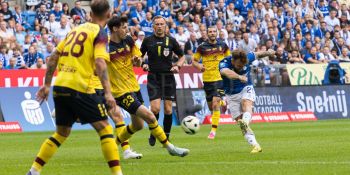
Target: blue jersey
[[236, 86], [146, 26]]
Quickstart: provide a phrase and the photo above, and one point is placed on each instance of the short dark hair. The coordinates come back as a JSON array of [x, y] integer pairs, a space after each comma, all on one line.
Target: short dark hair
[[99, 7], [116, 21], [241, 55]]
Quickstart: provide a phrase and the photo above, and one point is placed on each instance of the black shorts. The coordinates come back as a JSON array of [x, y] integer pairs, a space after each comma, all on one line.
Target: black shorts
[[213, 89], [130, 101], [161, 85], [71, 105]]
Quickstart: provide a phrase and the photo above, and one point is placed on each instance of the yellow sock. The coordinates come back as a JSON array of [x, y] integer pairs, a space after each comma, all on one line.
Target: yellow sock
[[47, 150], [125, 134], [110, 149], [118, 129], [158, 133], [215, 120]]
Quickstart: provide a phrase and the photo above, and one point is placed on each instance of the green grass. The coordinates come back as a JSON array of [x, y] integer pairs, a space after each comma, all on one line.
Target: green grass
[[321, 147]]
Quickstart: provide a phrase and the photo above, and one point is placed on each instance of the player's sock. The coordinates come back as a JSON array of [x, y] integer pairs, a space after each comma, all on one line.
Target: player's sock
[[118, 129], [247, 117], [47, 150], [110, 149], [158, 133], [167, 122], [250, 137], [215, 120], [125, 134], [151, 136]]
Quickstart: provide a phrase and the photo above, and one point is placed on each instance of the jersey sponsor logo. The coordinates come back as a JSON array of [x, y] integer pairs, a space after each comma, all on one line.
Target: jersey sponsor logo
[[166, 52]]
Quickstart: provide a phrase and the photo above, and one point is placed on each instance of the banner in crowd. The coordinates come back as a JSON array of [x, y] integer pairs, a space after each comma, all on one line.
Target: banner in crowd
[[310, 74], [189, 77], [19, 105], [326, 102]]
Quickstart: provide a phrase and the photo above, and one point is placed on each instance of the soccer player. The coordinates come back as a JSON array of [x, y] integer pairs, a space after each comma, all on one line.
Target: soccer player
[[125, 88], [239, 90], [161, 83], [78, 57], [211, 53]]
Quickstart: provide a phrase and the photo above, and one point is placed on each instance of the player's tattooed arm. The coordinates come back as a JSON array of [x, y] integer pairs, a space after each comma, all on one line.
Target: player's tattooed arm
[[263, 54], [51, 67], [102, 73]]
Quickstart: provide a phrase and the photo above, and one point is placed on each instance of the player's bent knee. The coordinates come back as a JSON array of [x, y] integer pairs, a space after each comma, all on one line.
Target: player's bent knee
[[63, 130], [100, 125]]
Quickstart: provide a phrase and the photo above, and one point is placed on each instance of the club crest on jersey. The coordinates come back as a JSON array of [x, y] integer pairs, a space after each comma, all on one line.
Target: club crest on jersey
[[166, 52]]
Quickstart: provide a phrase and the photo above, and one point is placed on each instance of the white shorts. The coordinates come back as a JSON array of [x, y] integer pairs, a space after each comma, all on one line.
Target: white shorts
[[234, 101]]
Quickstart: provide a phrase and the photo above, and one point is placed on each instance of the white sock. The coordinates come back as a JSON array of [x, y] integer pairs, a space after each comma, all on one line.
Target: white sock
[[170, 146], [247, 117], [251, 139], [33, 171]]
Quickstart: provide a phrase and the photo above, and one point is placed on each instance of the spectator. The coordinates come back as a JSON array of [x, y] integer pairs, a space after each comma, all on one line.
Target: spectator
[[5, 11], [295, 57], [323, 8], [207, 18], [191, 47], [197, 10], [39, 64], [20, 34], [331, 20], [185, 11], [78, 11], [42, 15], [327, 55], [48, 51], [212, 9], [61, 32], [247, 44], [59, 4], [181, 37], [140, 38], [253, 34], [303, 9], [281, 57], [344, 57], [269, 36], [1, 65], [47, 4], [65, 10], [32, 56], [204, 36], [18, 15], [19, 58], [12, 64], [237, 19], [137, 15], [260, 10], [52, 24], [146, 25], [29, 18], [164, 11], [4, 32], [57, 11], [231, 41], [121, 7], [313, 57], [4, 58], [344, 12]]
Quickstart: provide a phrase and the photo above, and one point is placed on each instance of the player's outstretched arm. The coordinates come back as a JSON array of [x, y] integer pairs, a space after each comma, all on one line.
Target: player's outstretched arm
[[43, 92], [263, 54], [233, 75], [101, 71]]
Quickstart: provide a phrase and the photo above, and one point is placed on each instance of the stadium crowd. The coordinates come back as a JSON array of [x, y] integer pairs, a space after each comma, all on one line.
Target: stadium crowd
[[301, 31]]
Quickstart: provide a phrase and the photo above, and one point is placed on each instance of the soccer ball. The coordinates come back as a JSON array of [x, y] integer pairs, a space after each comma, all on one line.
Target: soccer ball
[[190, 125]]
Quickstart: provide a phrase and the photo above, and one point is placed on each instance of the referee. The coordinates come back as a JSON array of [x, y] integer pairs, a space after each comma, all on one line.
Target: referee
[[161, 81]]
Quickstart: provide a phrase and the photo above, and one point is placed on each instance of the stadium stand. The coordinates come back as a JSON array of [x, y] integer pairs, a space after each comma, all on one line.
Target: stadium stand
[[301, 31]]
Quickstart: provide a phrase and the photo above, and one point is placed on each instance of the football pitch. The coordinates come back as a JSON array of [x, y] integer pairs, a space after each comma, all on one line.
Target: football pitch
[[321, 147]]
